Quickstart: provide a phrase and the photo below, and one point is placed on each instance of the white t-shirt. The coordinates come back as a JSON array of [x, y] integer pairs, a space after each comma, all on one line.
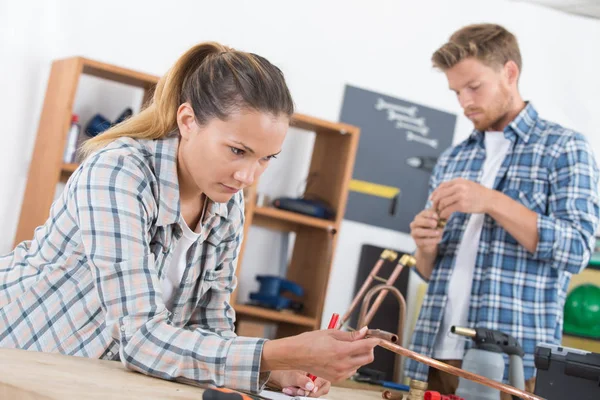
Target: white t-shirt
[[448, 346], [173, 275]]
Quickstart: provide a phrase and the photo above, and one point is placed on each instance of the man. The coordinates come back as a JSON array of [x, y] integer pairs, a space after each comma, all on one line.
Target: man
[[521, 204]]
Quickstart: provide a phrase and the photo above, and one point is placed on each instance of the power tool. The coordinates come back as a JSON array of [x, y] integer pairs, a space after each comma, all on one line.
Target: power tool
[[485, 358]]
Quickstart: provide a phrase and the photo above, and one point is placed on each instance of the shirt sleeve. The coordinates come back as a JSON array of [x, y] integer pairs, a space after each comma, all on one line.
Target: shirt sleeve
[[115, 208], [434, 180], [566, 235], [215, 314]]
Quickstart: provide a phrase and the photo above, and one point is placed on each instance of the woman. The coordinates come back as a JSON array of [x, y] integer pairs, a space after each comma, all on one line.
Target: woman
[[137, 260]]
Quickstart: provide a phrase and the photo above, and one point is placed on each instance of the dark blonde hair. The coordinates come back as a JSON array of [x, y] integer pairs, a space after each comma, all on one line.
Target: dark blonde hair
[[489, 43], [216, 80]]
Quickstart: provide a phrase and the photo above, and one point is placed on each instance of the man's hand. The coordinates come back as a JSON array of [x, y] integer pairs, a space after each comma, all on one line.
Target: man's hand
[[297, 383], [461, 195], [424, 230]]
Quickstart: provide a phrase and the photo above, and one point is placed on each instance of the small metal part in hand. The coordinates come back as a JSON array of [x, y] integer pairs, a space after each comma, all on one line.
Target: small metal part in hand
[[441, 221]]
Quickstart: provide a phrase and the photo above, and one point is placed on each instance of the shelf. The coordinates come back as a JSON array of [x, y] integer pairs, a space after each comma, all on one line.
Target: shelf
[[313, 124], [118, 74], [69, 168], [272, 315], [288, 216]]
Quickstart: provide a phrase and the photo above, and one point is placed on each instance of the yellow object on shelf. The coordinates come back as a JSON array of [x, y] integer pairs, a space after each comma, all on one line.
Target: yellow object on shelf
[[373, 189]]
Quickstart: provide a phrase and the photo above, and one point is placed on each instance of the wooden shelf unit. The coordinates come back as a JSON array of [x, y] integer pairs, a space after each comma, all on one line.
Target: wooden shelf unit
[[272, 315], [47, 168], [332, 162]]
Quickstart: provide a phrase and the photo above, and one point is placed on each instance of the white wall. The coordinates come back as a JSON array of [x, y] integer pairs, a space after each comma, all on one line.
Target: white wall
[[379, 45]]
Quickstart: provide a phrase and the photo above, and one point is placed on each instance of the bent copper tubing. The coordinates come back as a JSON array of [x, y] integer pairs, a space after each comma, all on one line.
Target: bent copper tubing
[[362, 320], [385, 255], [390, 281], [405, 261], [457, 371], [401, 313]]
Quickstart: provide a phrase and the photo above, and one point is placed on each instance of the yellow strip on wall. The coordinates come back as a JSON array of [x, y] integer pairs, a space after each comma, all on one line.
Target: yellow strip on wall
[[373, 189]]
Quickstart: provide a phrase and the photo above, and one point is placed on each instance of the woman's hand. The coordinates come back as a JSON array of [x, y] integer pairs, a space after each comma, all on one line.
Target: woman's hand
[[297, 383], [329, 354]]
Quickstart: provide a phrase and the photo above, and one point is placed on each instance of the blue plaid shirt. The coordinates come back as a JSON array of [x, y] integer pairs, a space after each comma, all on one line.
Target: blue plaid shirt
[[551, 170]]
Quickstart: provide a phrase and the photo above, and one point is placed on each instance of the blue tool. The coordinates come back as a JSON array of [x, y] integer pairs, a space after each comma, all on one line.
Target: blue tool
[[271, 290], [394, 385], [99, 123], [312, 208], [371, 376]]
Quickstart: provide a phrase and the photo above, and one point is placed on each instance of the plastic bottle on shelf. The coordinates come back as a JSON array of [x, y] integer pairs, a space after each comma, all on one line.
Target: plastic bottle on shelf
[[71, 147]]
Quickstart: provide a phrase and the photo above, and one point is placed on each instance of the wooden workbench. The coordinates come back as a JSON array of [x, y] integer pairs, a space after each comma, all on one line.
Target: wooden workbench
[[28, 375]]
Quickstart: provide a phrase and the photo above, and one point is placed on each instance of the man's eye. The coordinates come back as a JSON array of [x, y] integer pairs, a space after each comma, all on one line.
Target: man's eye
[[236, 151], [268, 158]]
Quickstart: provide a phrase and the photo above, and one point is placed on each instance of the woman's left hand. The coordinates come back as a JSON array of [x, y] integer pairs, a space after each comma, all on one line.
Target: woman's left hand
[[297, 383]]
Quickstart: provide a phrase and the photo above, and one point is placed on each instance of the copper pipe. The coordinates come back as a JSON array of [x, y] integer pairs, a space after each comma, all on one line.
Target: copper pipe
[[389, 395], [385, 255], [378, 333], [457, 371]]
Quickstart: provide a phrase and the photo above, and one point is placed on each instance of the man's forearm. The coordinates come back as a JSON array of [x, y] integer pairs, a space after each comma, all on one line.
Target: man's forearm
[[425, 264], [515, 218]]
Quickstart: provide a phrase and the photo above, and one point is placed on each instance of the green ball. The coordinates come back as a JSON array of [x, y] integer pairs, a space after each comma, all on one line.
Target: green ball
[[582, 311]]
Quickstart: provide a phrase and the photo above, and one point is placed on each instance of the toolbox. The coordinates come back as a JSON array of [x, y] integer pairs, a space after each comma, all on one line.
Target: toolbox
[[564, 373]]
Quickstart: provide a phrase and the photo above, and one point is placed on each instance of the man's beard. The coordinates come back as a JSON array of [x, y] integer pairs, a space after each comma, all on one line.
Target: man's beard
[[499, 114]]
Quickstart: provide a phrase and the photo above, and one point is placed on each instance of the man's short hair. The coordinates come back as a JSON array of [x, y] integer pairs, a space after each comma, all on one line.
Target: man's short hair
[[489, 43]]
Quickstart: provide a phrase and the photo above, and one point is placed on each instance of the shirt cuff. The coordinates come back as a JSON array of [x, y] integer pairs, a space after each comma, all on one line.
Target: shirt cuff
[[242, 365], [546, 237]]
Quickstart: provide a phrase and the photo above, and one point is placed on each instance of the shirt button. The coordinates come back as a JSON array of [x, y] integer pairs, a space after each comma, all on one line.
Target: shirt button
[[122, 328], [109, 354]]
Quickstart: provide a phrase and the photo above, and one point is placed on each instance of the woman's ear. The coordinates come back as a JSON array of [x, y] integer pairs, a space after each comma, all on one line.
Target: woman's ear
[[186, 121]]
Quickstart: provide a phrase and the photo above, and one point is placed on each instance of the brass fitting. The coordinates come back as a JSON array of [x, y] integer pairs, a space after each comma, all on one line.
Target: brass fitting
[[467, 332], [389, 255], [408, 261], [417, 390]]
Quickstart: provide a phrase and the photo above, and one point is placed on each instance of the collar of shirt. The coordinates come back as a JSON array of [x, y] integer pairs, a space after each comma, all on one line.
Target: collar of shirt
[[521, 127]]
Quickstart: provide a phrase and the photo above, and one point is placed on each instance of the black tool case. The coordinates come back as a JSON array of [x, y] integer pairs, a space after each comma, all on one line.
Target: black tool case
[[566, 373]]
